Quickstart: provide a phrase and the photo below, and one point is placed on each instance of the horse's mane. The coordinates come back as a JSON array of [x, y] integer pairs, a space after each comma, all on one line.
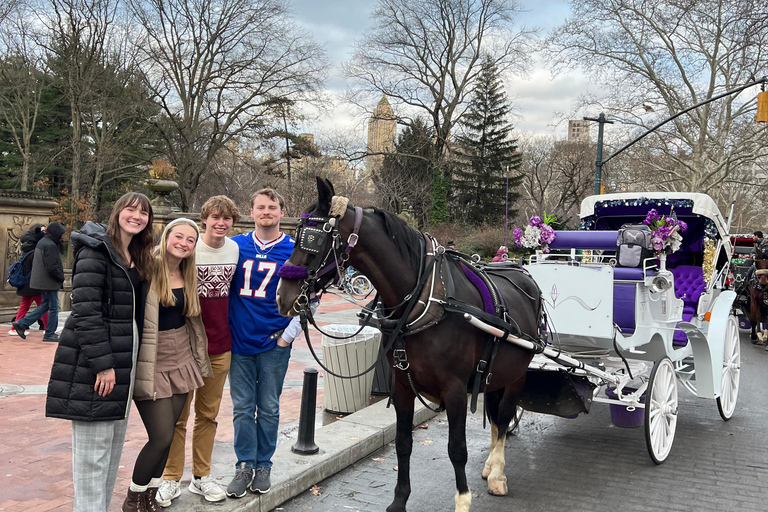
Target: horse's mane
[[406, 239]]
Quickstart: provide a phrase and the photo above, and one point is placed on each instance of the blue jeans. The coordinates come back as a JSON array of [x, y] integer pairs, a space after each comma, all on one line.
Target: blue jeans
[[255, 384], [51, 305]]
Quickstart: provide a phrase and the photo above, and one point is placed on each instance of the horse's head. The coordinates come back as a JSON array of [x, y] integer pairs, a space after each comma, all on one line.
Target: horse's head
[[761, 269], [319, 253]]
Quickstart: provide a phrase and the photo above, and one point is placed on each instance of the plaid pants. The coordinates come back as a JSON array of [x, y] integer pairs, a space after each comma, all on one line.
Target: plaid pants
[[96, 449]]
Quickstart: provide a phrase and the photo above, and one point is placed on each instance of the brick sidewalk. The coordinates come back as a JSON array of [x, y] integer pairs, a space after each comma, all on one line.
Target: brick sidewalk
[[35, 451]]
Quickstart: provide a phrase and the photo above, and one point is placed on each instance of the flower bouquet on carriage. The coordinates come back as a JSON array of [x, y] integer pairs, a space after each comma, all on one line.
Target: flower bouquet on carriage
[[666, 234], [666, 231], [538, 234]]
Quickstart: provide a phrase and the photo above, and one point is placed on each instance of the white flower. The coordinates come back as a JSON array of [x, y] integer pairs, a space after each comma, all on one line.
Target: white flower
[[532, 237]]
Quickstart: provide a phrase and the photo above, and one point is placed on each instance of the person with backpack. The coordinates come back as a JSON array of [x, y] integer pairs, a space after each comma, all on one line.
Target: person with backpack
[[47, 276], [28, 294]]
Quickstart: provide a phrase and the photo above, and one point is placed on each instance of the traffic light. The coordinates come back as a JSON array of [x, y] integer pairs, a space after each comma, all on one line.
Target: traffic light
[[762, 107]]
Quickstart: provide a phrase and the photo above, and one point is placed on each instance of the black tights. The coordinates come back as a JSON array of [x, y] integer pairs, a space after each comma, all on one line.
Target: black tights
[[159, 418]]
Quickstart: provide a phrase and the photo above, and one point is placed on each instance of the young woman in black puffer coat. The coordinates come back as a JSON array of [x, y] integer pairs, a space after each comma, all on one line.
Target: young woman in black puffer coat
[[95, 364], [29, 240]]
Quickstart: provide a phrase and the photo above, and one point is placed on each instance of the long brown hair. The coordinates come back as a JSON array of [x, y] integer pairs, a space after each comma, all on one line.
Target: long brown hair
[[162, 279], [140, 247]]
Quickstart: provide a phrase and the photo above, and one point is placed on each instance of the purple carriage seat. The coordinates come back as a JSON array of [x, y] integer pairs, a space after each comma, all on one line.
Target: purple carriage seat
[[624, 296], [689, 285]]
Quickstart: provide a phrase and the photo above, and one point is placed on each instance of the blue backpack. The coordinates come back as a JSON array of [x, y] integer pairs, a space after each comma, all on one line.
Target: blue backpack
[[16, 276]]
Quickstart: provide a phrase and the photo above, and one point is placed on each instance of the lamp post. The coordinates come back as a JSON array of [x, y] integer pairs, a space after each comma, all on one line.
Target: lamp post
[[600, 120], [762, 117], [506, 211]]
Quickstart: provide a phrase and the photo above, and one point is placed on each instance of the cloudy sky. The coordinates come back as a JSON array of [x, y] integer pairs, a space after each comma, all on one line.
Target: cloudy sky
[[338, 23]]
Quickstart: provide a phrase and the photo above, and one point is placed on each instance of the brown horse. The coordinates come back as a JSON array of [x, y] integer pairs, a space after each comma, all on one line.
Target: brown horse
[[438, 362], [758, 294]]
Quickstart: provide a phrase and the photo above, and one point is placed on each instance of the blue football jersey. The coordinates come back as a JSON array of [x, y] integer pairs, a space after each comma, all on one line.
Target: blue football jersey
[[253, 313]]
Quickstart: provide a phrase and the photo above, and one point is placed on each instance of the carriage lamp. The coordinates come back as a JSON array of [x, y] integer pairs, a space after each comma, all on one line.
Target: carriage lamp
[[661, 283]]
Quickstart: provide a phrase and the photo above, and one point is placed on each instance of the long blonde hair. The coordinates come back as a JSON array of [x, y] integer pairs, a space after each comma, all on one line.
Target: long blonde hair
[[162, 280]]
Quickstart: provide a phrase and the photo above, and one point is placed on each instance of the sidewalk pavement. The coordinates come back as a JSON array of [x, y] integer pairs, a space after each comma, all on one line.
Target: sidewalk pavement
[[35, 451]]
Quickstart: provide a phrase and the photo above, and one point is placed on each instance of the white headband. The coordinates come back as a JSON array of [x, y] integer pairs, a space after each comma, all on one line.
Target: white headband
[[182, 220]]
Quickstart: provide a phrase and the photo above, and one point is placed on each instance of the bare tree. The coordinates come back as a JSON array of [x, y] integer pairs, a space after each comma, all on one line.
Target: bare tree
[[657, 58], [6, 8], [218, 69], [77, 34], [21, 85], [558, 175], [425, 55]]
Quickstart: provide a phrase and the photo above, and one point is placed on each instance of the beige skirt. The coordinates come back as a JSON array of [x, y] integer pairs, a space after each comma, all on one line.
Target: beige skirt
[[176, 371]]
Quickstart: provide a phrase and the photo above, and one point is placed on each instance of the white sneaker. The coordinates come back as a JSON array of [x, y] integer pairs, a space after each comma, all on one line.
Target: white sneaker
[[13, 332], [167, 491], [208, 488]]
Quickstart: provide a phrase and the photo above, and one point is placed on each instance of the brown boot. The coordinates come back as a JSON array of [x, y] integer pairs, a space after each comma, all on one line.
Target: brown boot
[[135, 502], [150, 500]]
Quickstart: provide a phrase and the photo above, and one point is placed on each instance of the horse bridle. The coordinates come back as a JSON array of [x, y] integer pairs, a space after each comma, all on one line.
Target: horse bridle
[[320, 236]]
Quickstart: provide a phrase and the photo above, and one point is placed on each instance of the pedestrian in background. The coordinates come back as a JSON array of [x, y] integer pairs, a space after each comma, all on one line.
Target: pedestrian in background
[[173, 357], [216, 259], [501, 255], [28, 294], [48, 277], [261, 344], [94, 365]]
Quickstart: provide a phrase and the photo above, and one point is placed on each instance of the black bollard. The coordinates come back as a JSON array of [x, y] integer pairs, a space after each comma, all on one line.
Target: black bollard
[[305, 445]]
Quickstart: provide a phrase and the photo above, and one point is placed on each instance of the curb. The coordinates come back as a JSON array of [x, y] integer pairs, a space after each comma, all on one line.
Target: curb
[[342, 443]]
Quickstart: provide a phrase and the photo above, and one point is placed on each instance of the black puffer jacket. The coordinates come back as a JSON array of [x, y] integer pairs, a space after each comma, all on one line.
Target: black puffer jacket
[[47, 268], [98, 334], [28, 243]]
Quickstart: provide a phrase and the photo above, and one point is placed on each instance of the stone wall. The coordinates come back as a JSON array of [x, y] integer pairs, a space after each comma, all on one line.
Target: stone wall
[[18, 211]]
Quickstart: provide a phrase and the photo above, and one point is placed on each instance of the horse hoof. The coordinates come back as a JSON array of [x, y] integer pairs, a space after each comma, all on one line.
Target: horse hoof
[[497, 488], [486, 472]]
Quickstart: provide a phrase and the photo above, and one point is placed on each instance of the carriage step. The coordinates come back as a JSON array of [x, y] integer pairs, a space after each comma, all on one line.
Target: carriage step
[[686, 369]]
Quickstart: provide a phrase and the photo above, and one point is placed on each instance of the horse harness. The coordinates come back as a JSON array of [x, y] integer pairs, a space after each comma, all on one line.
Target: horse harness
[[753, 278], [424, 307]]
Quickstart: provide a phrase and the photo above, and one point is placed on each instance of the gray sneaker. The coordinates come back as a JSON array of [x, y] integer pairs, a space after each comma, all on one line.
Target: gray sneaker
[[261, 483], [239, 484]]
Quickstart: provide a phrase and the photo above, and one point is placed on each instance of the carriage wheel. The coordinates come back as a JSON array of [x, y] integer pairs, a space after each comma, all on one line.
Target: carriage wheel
[[729, 391], [515, 423], [661, 410], [360, 285]]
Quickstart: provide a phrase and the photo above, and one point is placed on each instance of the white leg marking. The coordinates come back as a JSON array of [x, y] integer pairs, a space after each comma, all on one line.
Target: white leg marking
[[494, 436], [497, 481], [463, 501]]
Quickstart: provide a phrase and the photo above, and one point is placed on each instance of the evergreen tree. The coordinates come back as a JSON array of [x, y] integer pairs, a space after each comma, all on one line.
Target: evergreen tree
[[404, 181], [488, 169]]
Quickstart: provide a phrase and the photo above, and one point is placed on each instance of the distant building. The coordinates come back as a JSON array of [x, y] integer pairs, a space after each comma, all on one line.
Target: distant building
[[382, 130], [578, 131]]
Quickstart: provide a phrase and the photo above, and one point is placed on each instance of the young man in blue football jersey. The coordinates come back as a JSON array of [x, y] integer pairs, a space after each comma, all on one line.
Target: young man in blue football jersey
[[261, 343]]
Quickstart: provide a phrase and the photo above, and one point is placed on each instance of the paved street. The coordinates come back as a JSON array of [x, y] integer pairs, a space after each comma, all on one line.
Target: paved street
[[35, 451], [583, 464]]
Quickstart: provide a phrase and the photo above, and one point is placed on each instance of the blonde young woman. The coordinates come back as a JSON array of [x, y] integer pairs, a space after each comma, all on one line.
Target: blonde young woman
[[173, 358]]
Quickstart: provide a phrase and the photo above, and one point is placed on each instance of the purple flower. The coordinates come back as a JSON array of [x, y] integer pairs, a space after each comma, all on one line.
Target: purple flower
[[547, 234], [535, 221], [517, 234], [683, 226]]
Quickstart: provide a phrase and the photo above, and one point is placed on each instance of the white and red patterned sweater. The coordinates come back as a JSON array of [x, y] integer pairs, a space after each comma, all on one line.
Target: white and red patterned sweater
[[215, 268]]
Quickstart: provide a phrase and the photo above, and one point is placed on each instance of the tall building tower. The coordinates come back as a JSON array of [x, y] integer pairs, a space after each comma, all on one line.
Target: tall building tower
[[381, 134], [578, 131]]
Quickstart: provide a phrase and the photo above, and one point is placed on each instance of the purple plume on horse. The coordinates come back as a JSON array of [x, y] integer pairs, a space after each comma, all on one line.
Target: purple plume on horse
[[292, 272]]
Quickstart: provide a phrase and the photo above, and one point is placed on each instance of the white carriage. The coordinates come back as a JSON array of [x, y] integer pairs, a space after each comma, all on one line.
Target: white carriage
[[637, 332]]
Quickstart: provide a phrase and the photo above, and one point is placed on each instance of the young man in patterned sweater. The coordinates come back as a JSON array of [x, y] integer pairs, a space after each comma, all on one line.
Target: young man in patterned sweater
[[216, 257]]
